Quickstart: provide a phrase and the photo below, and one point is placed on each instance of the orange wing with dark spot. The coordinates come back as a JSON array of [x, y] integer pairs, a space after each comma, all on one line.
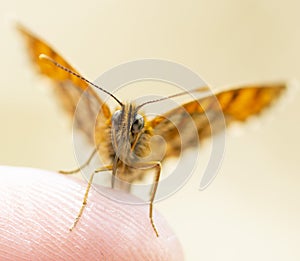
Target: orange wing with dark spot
[[68, 88], [233, 105]]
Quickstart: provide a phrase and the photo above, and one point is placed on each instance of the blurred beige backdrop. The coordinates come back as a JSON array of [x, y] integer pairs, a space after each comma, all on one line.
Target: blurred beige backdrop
[[252, 210]]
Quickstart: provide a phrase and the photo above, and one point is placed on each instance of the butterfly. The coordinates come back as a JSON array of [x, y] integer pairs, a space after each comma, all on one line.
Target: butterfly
[[123, 136]]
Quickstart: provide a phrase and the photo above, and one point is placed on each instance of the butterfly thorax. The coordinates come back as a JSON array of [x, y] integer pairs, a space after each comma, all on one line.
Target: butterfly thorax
[[127, 137]]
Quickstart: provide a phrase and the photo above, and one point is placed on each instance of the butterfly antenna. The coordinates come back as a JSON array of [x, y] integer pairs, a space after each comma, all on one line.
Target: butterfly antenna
[[201, 89], [47, 58]]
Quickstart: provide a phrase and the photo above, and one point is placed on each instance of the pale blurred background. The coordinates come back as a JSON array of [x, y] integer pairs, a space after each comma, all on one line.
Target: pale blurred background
[[252, 210]]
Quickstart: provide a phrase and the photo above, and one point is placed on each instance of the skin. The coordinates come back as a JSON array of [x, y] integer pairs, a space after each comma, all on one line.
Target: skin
[[38, 207]]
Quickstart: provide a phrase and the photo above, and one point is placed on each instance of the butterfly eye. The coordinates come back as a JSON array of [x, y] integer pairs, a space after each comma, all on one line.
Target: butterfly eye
[[138, 124], [116, 118]]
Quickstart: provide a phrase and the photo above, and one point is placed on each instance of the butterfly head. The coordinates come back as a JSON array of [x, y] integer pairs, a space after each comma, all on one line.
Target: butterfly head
[[127, 126]]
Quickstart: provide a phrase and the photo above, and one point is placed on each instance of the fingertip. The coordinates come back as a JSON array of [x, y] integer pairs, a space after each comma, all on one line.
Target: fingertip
[[41, 206]]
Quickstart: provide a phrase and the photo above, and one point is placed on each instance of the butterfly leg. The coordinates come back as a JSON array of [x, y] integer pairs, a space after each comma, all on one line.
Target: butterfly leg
[[114, 172], [84, 202], [67, 172], [157, 166]]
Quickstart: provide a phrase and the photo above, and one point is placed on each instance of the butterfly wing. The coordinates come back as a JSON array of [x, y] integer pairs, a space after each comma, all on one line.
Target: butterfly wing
[[234, 105], [69, 89]]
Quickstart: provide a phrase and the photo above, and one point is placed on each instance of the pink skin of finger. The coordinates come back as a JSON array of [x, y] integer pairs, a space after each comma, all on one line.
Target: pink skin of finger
[[37, 207]]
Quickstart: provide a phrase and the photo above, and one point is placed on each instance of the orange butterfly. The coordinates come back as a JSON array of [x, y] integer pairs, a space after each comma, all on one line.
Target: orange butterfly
[[124, 135]]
